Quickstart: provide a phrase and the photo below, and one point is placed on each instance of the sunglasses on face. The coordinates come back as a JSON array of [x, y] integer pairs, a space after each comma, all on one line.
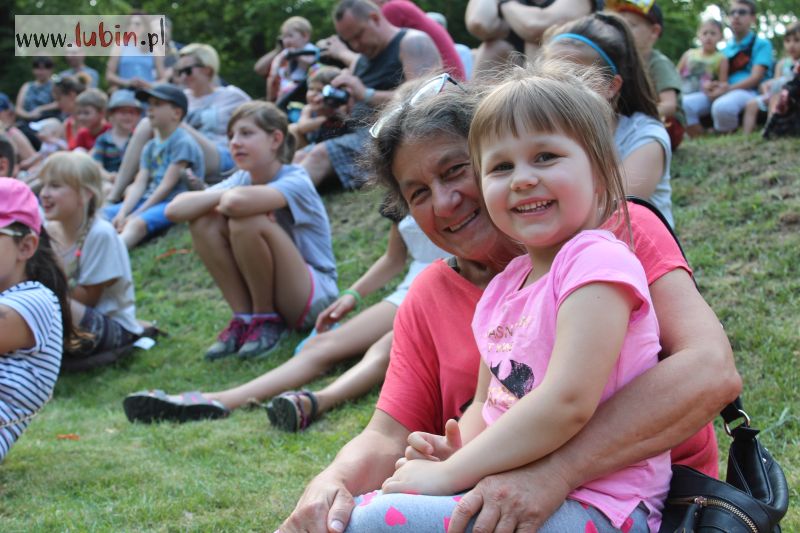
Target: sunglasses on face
[[10, 232], [739, 13], [187, 71], [430, 88]]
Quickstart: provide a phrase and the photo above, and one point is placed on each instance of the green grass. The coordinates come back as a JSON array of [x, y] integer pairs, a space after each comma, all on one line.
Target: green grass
[[738, 212]]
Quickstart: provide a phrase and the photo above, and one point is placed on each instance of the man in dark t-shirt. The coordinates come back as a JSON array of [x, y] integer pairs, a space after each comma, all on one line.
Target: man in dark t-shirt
[[379, 56]]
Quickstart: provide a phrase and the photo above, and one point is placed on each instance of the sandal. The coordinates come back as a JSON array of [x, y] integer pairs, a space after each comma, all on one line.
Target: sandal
[[286, 411], [156, 406]]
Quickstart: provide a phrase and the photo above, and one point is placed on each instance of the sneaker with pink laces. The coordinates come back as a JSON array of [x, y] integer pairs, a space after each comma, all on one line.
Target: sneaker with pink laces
[[262, 337], [229, 340]]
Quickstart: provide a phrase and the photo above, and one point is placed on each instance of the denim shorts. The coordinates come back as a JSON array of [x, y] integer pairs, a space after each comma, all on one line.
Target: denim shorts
[[104, 334]]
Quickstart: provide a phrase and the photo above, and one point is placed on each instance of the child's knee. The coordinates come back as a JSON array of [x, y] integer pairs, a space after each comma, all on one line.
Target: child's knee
[[252, 226]]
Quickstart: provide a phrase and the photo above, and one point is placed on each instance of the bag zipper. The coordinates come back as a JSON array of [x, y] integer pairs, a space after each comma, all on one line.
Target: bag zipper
[[703, 501]]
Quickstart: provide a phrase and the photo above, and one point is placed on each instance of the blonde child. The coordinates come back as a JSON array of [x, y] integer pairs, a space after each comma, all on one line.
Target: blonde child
[[290, 66], [124, 113], [560, 330], [34, 313], [770, 89], [701, 68], [90, 118], [50, 133], [94, 258]]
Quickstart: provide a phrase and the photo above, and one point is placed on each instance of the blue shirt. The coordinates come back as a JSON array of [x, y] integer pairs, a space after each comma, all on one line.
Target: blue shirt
[[158, 155], [762, 55]]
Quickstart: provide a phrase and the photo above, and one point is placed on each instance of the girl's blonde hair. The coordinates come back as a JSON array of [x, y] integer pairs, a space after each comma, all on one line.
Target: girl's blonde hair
[[79, 171], [269, 118], [555, 97]]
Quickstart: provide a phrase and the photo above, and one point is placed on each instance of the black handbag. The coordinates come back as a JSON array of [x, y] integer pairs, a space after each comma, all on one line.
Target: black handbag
[[753, 500]]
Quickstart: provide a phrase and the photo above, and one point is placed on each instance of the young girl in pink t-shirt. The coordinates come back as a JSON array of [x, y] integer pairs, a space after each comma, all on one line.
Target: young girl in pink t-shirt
[[560, 330]]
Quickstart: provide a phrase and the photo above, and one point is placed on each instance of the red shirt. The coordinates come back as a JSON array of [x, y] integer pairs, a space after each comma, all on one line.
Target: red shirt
[[406, 14], [85, 139], [433, 369]]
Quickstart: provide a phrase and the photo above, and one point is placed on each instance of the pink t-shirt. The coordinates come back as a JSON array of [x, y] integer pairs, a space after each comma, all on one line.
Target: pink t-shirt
[[433, 368], [515, 330]]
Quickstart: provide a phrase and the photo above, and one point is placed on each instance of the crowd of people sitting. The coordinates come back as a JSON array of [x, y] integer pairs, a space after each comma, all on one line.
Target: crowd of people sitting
[[505, 187]]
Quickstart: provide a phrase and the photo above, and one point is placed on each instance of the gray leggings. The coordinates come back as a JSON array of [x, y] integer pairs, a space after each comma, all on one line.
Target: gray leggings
[[376, 512]]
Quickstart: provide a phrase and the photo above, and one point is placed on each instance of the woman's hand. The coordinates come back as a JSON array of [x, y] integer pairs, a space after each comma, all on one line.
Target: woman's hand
[[335, 312], [325, 507], [432, 447], [422, 477]]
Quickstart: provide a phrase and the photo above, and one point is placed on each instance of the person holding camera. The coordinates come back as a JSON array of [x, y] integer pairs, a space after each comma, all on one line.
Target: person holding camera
[[380, 57], [290, 66]]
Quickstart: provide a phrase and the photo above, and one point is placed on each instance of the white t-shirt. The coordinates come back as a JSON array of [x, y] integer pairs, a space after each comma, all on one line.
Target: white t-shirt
[[209, 114], [104, 257], [634, 132]]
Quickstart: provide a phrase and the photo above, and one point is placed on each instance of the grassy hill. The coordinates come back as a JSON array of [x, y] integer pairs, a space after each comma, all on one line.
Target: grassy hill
[[82, 467]]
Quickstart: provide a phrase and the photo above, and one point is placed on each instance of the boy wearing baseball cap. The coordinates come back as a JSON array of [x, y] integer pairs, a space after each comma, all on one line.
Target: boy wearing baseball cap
[[164, 159], [646, 22]]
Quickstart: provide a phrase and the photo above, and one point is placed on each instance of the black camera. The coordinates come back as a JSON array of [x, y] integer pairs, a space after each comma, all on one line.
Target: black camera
[[334, 97], [294, 54]]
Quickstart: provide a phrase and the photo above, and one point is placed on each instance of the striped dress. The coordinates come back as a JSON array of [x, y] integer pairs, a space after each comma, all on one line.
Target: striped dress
[[27, 377]]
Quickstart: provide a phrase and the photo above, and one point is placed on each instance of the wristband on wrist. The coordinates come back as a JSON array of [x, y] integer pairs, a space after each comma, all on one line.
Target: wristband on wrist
[[369, 92], [354, 294]]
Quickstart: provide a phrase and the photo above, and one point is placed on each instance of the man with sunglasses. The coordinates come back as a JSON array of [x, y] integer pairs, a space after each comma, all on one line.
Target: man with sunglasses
[[385, 56], [750, 59]]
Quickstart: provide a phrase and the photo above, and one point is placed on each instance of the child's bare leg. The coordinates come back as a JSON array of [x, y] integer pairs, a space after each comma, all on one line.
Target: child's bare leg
[[211, 241], [272, 267], [358, 380], [77, 311], [130, 161], [750, 116], [135, 230], [320, 353]]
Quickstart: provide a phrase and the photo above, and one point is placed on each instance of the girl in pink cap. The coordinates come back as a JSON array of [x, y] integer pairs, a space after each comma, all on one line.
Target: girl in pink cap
[[33, 312]]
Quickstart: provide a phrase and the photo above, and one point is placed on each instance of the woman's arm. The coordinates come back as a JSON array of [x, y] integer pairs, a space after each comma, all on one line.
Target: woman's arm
[[360, 466], [673, 401], [482, 20], [530, 22], [15, 334], [111, 73], [592, 320], [643, 168], [192, 204]]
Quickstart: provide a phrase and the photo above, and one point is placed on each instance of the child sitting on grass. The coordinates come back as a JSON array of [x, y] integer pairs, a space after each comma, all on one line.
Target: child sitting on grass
[[94, 258], [647, 25], [90, 118], [701, 68], [35, 322], [163, 160], [770, 89], [288, 69], [320, 119], [124, 112]]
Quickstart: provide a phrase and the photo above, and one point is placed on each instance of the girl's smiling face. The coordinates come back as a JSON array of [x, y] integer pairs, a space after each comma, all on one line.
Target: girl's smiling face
[[539, 187], [251, 147], [60, 201]]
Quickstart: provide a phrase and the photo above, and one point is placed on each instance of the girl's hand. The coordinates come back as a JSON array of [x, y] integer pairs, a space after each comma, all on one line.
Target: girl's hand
[[421, 477], [335, 312], [119, 222], [432, 447]]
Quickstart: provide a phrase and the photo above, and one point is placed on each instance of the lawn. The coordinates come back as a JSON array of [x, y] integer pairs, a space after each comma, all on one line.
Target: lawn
[[82, 467]]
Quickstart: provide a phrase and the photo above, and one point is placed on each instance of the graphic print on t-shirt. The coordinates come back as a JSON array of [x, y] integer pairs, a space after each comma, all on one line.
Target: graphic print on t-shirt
[[519, 381]]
